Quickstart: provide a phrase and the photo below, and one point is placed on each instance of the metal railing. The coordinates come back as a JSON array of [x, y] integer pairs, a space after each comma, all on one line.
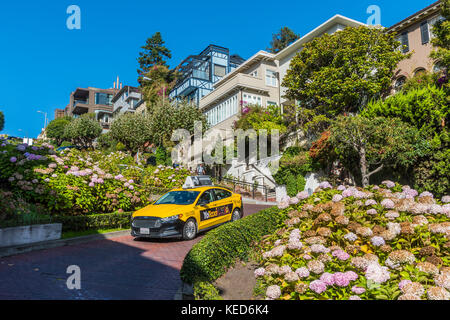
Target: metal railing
[[252, 186]]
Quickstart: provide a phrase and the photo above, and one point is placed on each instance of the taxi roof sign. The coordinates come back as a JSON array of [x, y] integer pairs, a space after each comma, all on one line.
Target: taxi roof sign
[[197, 181]]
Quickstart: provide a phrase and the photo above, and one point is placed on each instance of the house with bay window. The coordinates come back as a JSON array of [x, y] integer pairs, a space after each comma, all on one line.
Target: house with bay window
[[198, 73], [415, 34], [254, 82], [126, 100]]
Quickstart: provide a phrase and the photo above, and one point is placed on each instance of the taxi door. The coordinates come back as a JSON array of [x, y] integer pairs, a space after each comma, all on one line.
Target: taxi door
[[224, 204], [207, 210]]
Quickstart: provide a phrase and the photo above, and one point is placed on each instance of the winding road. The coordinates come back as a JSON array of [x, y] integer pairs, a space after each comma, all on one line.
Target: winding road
[[118, 268]]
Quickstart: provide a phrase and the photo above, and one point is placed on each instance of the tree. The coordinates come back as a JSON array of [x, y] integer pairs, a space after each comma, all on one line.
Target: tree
[[341, 72], [2, 121], [376, 143], [441, 30], [154, 52], [282, 39], [56, 129], [166, 118], [156, 89], [83, 131], [133, 130]]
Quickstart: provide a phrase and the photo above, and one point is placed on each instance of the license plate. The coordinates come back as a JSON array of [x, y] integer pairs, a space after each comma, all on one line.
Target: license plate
[[145, 231]]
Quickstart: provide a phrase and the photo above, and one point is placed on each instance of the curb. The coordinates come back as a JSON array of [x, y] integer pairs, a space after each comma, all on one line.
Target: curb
[[258, 202], [14, 250], [184, 292]]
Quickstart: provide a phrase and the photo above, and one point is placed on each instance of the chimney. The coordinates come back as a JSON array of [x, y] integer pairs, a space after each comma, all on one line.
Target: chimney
[[114, 84]]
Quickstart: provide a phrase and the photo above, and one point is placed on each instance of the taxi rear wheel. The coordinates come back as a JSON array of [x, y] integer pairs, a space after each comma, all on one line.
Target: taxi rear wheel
[[236, 215], [190, 230]]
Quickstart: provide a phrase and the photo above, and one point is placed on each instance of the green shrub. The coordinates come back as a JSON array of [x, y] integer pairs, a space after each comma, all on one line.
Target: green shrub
[[425, 108], [220, 248], [94, 221], [431, 173]]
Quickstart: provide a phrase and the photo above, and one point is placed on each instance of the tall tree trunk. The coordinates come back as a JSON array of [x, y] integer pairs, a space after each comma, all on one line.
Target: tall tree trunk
[[363, 166]]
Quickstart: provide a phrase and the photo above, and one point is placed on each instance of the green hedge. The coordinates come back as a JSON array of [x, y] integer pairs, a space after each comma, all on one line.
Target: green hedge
[[94, 221], [75, 223], [221, 247]]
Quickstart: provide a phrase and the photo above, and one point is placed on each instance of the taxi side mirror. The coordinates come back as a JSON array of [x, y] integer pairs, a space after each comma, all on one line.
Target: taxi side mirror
[[202, 203]]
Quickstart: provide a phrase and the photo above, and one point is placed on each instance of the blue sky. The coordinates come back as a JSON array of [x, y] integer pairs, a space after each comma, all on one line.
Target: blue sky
[[42, 62]]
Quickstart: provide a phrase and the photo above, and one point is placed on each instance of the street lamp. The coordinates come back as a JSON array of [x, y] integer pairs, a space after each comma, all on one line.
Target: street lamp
[[45, 118], [164, 87]]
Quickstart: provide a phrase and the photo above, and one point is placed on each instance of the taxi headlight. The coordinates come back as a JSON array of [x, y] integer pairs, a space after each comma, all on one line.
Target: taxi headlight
[[169, 219]]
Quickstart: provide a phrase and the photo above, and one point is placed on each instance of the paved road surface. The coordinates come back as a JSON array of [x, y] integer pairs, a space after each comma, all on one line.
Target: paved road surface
[[117, 268]]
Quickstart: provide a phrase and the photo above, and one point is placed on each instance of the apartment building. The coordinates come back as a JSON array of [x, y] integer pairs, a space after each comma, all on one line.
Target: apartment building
[[126, 100], [253, 82], [200, 72], [415, 34]]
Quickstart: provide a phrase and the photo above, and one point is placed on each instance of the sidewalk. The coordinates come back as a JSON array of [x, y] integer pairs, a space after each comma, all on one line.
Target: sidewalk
[[259, 202]]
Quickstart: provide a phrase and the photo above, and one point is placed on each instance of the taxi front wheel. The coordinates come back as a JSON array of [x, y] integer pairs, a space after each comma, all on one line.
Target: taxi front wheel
[[190, 230]]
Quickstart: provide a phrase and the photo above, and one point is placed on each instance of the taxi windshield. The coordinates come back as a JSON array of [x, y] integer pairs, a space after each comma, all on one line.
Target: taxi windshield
[[178, 197]]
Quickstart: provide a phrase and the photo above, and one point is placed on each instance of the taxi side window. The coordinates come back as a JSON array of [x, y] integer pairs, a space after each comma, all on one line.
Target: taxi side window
[[222, 194], [207, 197]]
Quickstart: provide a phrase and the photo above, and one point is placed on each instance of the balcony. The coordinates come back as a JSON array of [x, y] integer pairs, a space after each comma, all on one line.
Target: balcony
[[232, 85], [80, 106]]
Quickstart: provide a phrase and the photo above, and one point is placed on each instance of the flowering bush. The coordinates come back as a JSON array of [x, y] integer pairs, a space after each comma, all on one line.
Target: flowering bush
[[332, 247], [83, 182]]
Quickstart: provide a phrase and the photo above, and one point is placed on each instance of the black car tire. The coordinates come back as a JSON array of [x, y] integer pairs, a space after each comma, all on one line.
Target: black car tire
[[190, 230], [237, 214]]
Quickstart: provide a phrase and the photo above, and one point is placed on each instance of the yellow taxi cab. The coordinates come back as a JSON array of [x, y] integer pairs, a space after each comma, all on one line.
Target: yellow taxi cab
[[183, 213]]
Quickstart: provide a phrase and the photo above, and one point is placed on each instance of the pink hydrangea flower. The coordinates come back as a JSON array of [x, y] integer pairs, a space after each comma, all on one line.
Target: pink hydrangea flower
[[388, 183], [372, 212], [325, 185], [340, 254], [337, 198], [302, 272], [318, 286], [273, 292], [388, 203], [403, 283], [358, 290], [370, 202], [260, 272], [341, 279], [302, 195], [327, 278], [426, 194]]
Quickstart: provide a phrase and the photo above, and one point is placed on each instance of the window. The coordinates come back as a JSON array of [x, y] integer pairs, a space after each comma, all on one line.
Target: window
[[404, 41], [222, 111], [271, 103], [251, 99], [271, 78], [178, 197], [222, 194], [103, 98], [219, 71], [425, 32], [207, 197], [419, 71], [399, 83]]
